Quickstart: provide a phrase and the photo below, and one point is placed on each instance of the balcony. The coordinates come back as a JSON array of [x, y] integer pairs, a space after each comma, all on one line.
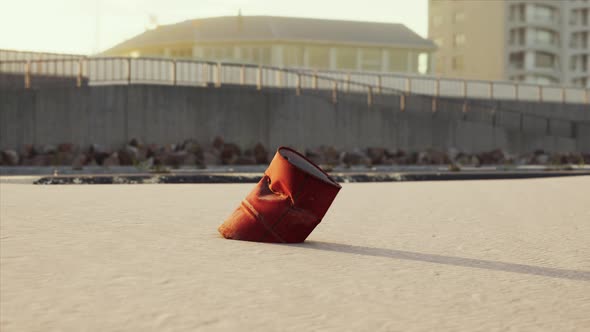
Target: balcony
[[516, 46], [518, 66], [580, 48], [539, 15], [536, 23], [579, 28], [577, 4]]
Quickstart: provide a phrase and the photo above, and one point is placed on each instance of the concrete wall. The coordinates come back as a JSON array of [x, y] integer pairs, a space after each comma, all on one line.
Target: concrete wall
[[112, 115]]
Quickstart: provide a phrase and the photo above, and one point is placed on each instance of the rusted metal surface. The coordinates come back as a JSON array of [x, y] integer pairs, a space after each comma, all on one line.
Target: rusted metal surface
[[287, 203]]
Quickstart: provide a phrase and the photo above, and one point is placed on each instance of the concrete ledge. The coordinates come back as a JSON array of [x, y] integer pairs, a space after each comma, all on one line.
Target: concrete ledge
[[339, 177]]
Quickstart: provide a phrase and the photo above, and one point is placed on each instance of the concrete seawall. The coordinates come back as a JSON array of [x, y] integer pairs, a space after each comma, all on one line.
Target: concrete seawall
[[112, 115]]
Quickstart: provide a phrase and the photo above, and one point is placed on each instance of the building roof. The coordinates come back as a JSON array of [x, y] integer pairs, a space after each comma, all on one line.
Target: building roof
[[272, 28]]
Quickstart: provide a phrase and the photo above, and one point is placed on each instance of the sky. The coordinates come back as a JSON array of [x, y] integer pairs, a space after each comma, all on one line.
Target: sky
[[85, 26]]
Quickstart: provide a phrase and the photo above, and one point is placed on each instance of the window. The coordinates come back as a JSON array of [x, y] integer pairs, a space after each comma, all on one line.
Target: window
[[318, 57], [155, 52], [543, 13], [423, 63], [579, 40], [437, 20], [440, 65], [181, 53], [218, 53], [293, 56], [581, 82], [544, 60], [573, 63], [517, 60], [517, 37], [540, 79], [579, 62], [574, 18], [544, 37], [257, 55], [458, 40], [346, 58], [371, 59], [262, 55], [579, 16], [398, 60], [457, 63], [458, 17], [517, 13]]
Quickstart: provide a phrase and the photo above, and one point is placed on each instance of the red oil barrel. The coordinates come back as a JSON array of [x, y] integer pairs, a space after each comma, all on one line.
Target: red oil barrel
[[286, 205]]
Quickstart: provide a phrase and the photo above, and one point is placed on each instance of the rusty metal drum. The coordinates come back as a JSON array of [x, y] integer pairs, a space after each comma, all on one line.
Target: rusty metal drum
[[287, 203]]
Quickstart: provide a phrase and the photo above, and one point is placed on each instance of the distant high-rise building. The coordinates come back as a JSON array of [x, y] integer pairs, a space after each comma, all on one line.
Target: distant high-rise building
[[535, 41]]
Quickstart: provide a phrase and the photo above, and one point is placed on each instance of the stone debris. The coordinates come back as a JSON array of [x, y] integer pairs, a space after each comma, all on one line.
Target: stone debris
[[219, 152]]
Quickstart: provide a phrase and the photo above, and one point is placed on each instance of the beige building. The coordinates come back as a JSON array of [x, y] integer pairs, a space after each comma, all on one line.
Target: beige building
[[287, 42], [535, 41]]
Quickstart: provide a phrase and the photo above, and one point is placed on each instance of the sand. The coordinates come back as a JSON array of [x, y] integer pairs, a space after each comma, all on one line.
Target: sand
[[420, 256]]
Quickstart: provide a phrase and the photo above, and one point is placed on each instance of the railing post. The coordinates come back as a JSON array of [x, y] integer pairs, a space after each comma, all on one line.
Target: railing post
[[540, 93], [28, 75], [173, 72], [516, 95], [491, 90], [112, 70], [348, 82], [259, 78], [370, 96], [129, 70], [206, 74], [563, 95], [379, 87], [243, 75], [279, 78], [218, 75], [464, 89], [408, 85], [437, 87], [314, 82], [79, 75], [298, 84], [334, 92], [436, 94], [402, 102]]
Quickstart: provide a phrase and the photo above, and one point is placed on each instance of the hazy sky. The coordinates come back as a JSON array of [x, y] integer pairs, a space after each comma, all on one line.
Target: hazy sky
[[71, 25]]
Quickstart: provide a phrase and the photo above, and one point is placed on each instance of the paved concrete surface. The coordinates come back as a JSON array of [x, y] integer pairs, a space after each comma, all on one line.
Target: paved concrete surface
[[259, 169], [509, 255]]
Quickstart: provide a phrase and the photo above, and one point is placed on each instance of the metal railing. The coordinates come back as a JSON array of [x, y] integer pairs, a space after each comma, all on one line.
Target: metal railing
[[127, 71], [96, 71], [13, 55], [460, 88], [124, 70]]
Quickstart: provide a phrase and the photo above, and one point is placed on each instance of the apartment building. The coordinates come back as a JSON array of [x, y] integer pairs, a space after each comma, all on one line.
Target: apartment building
[[533, 41]]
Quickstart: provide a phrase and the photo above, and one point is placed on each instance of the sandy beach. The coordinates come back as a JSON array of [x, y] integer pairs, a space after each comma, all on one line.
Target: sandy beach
[[502, 255]]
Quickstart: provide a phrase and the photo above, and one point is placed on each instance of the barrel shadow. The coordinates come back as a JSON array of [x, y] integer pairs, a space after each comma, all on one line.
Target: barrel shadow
[[448, 260]]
